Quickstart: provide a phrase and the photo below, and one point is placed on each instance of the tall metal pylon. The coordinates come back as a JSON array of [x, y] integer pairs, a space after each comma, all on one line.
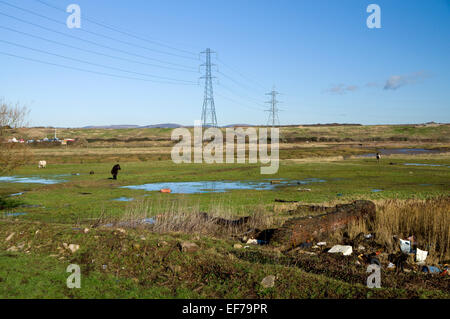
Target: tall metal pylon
[[273, 111], [209, 118]]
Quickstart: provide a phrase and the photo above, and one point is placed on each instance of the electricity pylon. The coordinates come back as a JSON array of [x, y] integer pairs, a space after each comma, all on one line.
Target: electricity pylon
[[209, 118]]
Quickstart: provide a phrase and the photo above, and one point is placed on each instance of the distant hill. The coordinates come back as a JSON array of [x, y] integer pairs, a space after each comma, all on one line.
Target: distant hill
[[118, 127], [167, 125]]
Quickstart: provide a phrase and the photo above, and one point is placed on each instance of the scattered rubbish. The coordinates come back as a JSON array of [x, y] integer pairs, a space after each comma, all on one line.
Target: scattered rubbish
[[368, 236], [322, 243], [304, 189], [121, 230], [187, 247], [104, 267], [431, 269], [76, 174], [86, 230], [405, 246], [237, 246], [252, 241], [268, 282], [391, 266], [166, 190], [345, 250], [421, 255], [360, 247]]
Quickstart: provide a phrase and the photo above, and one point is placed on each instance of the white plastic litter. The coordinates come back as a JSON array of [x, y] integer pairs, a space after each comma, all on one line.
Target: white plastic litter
[[345, 250], [405, 246], [252, 242], [421, 255], [322, 243], [391, 265]]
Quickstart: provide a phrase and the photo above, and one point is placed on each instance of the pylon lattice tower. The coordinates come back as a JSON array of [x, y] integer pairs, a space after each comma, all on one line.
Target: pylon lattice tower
[[209, 118], [273, 111]]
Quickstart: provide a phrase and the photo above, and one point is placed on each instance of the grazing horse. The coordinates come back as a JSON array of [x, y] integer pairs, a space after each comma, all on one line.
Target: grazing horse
[[115, 170], [42, 164]]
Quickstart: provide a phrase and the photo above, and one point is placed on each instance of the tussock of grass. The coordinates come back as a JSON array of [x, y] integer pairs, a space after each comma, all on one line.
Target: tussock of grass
[[183, 217]]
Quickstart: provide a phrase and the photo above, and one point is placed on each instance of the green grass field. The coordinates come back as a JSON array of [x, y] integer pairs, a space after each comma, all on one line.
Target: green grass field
[[139, 263]]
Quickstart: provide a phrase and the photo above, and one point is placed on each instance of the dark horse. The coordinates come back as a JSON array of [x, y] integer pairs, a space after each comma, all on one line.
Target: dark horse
[[115, 170]]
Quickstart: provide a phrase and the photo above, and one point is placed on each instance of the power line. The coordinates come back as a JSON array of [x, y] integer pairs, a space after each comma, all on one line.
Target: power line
[[97, 34], [89, 71], [237, 103], [94, 43], [94, 52], [112, 28], [96, 64], [242, 75], [252, 100]]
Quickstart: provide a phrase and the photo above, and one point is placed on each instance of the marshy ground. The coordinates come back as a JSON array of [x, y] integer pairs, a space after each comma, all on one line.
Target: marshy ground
[[43, 209]]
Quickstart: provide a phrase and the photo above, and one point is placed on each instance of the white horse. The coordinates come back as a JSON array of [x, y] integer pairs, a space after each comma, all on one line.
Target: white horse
[[42, 164]]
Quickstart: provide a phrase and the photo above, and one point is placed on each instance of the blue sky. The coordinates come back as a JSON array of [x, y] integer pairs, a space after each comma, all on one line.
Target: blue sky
[[320, 55]]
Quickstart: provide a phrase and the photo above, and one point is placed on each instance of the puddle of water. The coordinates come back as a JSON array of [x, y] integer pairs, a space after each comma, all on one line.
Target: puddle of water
[[420, 164], [403, 151], [220, 186], [123, 199], [17, 194], [16, 214], [376, 190], [29, 180]]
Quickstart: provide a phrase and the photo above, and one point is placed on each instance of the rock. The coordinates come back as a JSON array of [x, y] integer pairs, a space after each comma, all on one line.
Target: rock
[[74, 248], [345, 250], [10, 237], [237, 246], [187, 247], [268, 282]]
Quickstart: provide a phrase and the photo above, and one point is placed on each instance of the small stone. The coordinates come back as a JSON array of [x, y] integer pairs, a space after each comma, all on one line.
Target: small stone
[[187, 247], [268, 282], [74, 248]]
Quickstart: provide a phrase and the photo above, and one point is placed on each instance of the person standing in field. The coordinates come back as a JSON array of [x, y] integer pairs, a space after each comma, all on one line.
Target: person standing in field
[[115, 171], [378, 157]]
